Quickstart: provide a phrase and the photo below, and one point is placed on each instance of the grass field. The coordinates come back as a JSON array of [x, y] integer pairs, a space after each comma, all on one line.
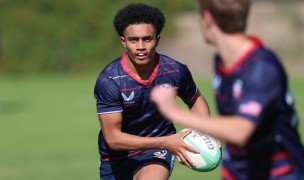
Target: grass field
[[48, 128]]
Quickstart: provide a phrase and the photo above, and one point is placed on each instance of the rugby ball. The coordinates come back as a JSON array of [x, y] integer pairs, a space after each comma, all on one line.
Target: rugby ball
[[210, 153]]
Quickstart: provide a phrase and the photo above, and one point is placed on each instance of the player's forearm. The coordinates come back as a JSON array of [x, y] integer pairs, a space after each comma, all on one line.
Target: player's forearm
[[200, 107], [230, 129], [128, 142]]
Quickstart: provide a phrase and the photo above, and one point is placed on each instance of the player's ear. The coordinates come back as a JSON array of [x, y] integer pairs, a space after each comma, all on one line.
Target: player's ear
[[157, 39], [123, 41], [207, 18]]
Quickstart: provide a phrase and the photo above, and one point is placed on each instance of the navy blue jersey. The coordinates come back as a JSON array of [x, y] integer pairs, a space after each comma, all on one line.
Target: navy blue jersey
[[256, 88], [118, 90]]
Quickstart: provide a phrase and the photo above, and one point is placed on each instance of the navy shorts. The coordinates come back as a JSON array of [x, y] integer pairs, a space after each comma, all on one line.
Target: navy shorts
[[125, 168]]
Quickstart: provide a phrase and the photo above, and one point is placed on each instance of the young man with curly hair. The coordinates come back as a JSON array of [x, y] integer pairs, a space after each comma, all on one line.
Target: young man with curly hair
[[135, 140], [257, 116]]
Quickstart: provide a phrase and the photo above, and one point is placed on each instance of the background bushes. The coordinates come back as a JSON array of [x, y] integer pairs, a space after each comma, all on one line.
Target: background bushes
[[63, 35]]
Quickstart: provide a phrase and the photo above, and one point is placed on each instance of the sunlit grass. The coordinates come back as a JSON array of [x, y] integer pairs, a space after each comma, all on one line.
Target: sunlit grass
[[48, 128]]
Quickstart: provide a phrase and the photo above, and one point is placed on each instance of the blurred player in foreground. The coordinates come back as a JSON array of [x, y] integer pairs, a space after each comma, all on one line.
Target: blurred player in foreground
[[257, 117], [136, 141]]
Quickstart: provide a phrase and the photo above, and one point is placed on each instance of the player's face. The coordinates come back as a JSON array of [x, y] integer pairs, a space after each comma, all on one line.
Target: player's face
[[140, 41]]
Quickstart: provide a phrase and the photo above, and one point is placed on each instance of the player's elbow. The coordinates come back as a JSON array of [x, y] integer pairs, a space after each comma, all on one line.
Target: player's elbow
[[240, 140], [114, 144], [241, 136]]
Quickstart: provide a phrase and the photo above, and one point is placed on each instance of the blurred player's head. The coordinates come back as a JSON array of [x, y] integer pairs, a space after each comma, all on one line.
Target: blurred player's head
[[229, 15], [138, 13]]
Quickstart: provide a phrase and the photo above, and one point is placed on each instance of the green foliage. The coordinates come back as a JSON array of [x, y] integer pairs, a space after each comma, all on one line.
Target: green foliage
[[63, 36]]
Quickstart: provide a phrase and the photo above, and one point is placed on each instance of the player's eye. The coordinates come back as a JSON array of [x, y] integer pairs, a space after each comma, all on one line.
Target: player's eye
[[148, 39], [133, 40]]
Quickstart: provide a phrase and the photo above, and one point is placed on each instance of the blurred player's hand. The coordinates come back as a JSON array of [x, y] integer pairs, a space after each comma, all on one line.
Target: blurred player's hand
[[165, 98]]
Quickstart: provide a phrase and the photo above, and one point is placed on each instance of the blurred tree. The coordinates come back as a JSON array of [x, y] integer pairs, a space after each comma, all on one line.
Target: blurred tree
[[62, 36]]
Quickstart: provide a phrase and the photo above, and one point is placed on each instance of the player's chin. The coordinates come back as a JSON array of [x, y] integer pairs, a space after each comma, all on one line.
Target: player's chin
[[142, 61]]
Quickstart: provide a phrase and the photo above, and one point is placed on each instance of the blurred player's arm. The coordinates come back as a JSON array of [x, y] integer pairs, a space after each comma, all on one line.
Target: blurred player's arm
[[233, 129], [198, 105]]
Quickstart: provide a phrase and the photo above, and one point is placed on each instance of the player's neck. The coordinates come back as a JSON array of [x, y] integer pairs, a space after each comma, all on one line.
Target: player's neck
[[232, 47], [142, 72]]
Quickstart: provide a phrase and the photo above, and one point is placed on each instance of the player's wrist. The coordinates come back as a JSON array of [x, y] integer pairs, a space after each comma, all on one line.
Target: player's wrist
[[161, 142]]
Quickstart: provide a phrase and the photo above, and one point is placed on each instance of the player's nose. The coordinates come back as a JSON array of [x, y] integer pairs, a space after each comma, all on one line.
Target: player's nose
[[141, 44]]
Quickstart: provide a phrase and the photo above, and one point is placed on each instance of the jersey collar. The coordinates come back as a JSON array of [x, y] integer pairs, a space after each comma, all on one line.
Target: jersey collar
[[130, 73], [256, 44]]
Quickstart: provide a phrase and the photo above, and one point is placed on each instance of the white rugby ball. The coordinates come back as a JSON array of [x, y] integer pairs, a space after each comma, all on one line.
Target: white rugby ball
[[210, 153]]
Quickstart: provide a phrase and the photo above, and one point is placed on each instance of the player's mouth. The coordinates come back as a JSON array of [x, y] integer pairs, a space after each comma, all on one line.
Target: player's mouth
[[141, 55]]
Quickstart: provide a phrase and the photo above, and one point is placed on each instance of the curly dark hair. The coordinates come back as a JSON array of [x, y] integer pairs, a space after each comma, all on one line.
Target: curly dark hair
[[136, 13]]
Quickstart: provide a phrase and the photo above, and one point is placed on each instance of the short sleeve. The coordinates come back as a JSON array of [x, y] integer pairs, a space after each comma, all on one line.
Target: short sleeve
[[107, 96], [261, 87], [187, 88]]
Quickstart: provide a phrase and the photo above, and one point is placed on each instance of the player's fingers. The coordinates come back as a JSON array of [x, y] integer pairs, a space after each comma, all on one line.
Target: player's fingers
[[192, 149], [188, 160], [187, 147], [185, 133], [219, 143], [178, 159], [188, 163], [181, 159]]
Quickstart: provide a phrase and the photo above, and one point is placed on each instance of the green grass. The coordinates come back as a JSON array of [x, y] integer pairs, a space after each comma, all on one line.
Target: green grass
[[48, 128]]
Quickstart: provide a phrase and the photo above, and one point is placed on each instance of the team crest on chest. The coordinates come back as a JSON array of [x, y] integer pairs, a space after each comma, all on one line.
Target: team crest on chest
[[168, 85]]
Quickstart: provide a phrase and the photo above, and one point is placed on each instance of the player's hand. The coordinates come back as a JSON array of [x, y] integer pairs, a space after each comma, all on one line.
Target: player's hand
[[179, 148], [165, 98], [219, 143]]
